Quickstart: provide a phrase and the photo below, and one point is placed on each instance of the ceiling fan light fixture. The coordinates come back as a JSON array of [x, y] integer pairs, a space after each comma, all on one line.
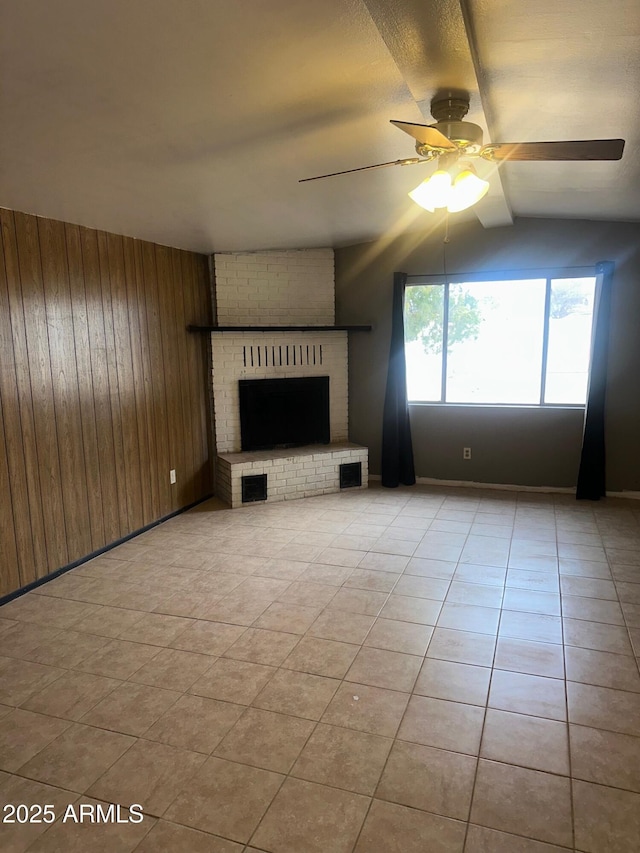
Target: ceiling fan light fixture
[[440, 190], [434, 192], [467, 189]]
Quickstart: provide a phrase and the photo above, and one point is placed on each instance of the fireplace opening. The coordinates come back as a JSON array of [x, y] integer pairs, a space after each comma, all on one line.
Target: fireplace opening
[[278, 413]]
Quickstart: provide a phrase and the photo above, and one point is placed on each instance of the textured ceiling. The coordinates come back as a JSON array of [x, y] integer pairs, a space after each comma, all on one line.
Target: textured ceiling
[[190, 123]]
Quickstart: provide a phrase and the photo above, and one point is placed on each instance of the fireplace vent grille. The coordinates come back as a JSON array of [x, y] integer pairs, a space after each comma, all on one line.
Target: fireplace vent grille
[[254, 488], [350, 475], [289, 355]]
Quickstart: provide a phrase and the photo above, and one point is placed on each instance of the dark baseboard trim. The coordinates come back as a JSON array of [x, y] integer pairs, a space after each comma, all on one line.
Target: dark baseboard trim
[[5, 599]]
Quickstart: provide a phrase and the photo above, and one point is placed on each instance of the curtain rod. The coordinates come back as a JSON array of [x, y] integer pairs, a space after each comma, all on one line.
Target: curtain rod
[[519, 273]]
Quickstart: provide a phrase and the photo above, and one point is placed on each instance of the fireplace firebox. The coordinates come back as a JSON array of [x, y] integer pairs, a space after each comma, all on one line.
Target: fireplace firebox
[[278, 413]]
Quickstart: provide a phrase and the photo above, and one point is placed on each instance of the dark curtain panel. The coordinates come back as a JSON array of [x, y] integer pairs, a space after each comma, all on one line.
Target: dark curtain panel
[[591, 476], [397, 450]]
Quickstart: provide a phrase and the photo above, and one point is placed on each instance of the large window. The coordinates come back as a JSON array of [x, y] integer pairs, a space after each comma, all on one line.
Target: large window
[[521, 340]]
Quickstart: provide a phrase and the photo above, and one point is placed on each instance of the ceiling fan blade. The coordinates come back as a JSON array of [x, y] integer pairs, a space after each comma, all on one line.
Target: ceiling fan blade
[[584, 149], [407, 161], [426, 134]]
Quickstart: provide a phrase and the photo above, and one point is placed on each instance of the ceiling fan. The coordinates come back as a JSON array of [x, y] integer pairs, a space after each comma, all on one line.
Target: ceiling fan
[[454, 141]]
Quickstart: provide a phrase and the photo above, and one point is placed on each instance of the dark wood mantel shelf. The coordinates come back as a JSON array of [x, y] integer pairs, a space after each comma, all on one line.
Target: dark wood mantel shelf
[[217, 329]]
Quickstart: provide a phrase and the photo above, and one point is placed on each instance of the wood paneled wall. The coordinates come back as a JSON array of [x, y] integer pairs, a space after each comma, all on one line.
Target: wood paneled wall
[[102, 390]]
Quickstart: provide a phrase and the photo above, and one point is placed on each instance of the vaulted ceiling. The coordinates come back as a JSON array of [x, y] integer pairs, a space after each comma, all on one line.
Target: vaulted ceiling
[[190, 122]]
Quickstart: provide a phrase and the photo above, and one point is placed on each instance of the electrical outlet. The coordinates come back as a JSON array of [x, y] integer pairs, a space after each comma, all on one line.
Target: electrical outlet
[[172, 476], [466, 453]]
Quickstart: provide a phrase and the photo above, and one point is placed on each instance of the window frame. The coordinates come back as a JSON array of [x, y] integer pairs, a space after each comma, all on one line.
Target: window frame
[[548, 273]]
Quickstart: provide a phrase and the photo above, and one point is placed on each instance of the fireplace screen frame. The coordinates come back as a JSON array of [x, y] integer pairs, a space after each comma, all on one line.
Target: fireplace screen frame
[[301, 416]]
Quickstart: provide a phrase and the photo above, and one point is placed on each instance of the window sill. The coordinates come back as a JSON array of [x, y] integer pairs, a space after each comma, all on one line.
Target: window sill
[[527, 406]]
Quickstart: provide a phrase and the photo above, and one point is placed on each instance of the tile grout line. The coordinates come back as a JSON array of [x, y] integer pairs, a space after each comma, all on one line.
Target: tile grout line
[[566, 699], [486, 710]]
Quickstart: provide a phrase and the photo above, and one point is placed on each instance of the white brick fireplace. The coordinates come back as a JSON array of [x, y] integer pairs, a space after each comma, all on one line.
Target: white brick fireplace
[[295, 287], [274, 289]]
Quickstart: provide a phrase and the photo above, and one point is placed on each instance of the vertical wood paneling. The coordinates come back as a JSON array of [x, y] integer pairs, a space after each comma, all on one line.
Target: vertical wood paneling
[[185, 464], [112, 375], [33, 525], [171, 374], [84, 377], [139, 412], [156, 361], [8, 538], [125, 383], [195, 278], [100, 384], [73, 477], [102, 390], [39, 360], [147, 379], [15, 503], [10, 577]]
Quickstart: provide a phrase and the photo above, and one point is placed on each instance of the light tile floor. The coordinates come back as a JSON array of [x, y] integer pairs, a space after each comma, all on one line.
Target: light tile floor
[[414, 670]]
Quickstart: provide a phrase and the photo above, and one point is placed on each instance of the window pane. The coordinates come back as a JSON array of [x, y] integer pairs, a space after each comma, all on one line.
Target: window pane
[[495, 341], [570, 321], [423, 325]]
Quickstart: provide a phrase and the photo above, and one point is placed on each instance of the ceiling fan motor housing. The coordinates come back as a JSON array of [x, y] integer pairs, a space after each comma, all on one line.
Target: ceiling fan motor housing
[[449, 113], [464, 134]]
